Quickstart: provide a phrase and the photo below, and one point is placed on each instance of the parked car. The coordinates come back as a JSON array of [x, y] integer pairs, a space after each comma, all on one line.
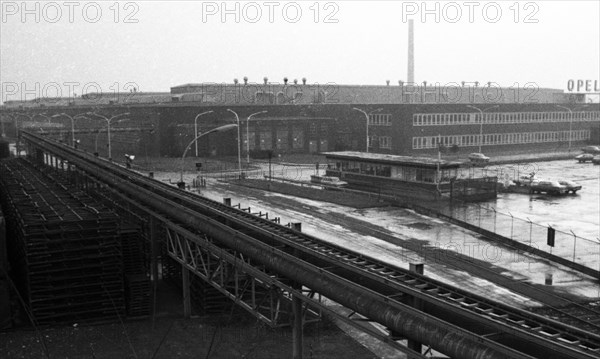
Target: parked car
[[584, 157], [549, 187], [591, 149], [571, 186], [527, 181], [328, 181], [596, 160], [478, 158]]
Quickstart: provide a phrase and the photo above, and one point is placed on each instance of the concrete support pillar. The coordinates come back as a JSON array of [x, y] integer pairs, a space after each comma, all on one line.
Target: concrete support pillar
[[298, 336], [187, 304]]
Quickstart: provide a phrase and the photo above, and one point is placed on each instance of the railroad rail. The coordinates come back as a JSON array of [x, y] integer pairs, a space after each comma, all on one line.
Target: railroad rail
[[410, 305]]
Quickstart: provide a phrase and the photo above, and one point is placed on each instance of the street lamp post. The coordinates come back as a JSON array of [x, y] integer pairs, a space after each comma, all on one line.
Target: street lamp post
[[367, 118], [248, 135], [570, 121], [81, 115], [481, 121], [98, 134], [239, 142], [108, 120], [218, 129], [96, 143], [196, 127]]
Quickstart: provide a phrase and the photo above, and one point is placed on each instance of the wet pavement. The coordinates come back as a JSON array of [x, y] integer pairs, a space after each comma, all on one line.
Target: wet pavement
[[526, 217], [342, 225]]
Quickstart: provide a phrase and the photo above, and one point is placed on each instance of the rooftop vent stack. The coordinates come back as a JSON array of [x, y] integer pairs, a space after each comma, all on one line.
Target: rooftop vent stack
[[411, 53]]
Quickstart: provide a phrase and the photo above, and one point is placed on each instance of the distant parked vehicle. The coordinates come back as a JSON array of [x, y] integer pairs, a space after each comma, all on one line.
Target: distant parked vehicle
[[549, 187], [328, 181], [596, 160], [591, 149], [571, 186], [478, 158], [584, 157], [527, 181]]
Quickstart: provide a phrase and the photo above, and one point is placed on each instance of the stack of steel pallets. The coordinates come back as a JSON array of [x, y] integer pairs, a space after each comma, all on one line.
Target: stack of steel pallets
[[134, 244], [64, 248], [5, 304], [137, 281]]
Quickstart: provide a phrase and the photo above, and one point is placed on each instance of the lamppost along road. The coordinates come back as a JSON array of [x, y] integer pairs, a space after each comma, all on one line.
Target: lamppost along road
[[218, 129], [248, 135], [81, 115], [367, 118], [570, 121], [196, 126], [108, 120], [98, 134], [481, 121], [239, 142]]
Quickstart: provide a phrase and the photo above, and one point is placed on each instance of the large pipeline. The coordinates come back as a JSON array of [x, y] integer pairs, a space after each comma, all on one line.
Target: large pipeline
[[402, 319]]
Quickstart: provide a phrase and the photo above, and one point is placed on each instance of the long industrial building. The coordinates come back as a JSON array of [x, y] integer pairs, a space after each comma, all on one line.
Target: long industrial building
[[296, 117]]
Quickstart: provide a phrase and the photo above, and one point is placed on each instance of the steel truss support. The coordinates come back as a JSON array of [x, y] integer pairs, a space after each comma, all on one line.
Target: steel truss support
[[259, 292]]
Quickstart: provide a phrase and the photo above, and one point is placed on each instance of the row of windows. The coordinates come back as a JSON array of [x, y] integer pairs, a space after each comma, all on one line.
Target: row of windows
[[380, 119], [499, 139], [436, 119], [384, 141]]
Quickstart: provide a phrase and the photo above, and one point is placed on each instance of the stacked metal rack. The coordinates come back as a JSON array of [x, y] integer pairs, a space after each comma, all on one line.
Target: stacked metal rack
[[5, 305], [137, 281], [133, 238], [64, 248]]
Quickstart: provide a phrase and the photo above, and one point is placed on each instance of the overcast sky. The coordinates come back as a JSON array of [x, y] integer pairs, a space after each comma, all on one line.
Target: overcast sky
[[159, 44]]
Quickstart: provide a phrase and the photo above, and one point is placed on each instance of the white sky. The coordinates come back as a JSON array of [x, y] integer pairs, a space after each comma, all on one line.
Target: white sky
[[172, 44]]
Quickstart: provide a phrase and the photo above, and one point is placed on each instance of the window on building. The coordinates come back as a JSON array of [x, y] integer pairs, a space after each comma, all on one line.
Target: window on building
[[380, 119], [385, 142]]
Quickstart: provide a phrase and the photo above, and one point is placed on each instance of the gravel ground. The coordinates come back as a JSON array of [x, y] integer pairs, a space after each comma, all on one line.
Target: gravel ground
[[217, 336]]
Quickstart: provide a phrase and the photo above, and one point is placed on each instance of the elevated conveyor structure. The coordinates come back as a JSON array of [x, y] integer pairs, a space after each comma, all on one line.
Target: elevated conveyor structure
[[236, 252]]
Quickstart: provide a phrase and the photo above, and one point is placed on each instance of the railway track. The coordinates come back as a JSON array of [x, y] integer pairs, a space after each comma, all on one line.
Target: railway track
[[532, 334]]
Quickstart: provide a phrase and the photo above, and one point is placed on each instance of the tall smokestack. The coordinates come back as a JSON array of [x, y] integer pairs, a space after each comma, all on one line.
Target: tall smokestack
[[411, 53]]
